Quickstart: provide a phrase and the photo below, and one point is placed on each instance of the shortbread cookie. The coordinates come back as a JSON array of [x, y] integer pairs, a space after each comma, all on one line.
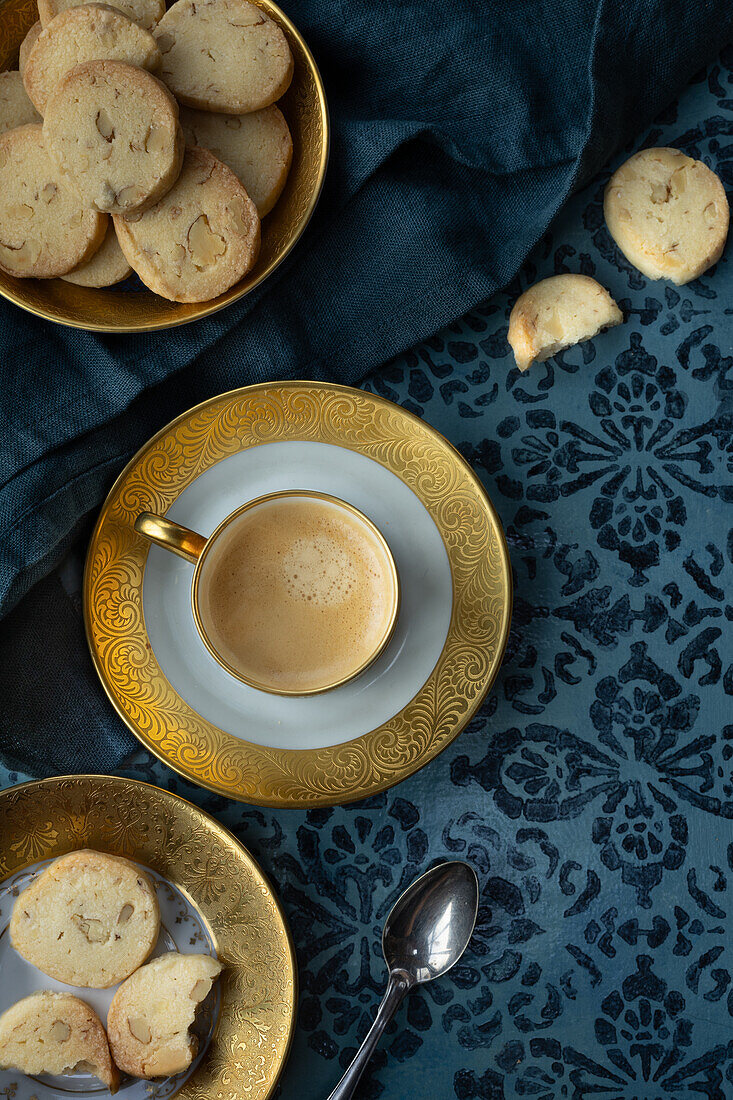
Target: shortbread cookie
[[93, 32], [106, 267], [114, 129], [151, 1013], [223, 55], [145, 13], [27, 44], [257, 147], [55, 1033], [200, 239], [89, 919], [44, 229], [555, 314], [668, 214], [16, 108]]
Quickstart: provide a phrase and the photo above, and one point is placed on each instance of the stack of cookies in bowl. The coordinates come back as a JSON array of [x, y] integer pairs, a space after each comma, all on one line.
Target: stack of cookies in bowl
[[143, 140]]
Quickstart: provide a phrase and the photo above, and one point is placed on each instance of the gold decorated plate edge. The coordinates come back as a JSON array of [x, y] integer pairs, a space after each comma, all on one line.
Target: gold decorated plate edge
[[316, 799]]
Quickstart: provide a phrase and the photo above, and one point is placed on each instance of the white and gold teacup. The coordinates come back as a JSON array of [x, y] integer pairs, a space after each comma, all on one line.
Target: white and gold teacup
[[295, 593]]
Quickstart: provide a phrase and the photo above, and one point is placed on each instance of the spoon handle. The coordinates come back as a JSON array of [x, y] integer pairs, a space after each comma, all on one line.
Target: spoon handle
[[397, 987]]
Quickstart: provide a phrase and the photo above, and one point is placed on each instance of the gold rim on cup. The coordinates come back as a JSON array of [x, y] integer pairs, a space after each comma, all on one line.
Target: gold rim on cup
[[195, 548]]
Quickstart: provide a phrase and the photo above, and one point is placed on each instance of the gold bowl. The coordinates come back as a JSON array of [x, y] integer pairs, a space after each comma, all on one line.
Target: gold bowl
[[139, 310]]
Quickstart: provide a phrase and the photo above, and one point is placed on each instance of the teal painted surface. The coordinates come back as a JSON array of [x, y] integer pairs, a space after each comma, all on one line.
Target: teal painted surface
[[594, 792]]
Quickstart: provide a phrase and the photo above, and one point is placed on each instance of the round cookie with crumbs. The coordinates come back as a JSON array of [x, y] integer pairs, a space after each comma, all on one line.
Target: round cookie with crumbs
[[114, 130], [55, 1033], [200, 239], [89, 919], [106, 267], [257, 147], [44, 229], [28, 43], [93, 32], [556, 313], [146, 13], [16, 108], [223, 55], [151, 1013], [668, 214]]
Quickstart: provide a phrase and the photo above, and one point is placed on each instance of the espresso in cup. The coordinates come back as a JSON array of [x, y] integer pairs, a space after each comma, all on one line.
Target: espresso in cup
[[297, 593]]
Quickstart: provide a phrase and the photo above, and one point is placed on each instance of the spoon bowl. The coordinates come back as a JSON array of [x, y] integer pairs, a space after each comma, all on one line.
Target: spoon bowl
[[429, 926]]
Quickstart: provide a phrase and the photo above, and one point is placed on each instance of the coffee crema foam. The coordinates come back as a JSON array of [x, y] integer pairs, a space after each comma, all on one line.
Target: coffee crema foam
[[296, 594]]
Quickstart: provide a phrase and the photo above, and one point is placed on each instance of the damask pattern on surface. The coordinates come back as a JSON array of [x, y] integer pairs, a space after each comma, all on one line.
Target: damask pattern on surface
[[594, 790]]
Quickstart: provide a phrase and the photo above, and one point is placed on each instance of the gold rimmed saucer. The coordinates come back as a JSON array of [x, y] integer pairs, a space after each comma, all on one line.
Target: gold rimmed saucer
[[114, 310], [220, 883], [477, 621]]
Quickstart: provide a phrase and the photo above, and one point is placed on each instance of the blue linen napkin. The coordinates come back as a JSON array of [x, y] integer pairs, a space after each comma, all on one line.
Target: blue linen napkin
[[458, 133]]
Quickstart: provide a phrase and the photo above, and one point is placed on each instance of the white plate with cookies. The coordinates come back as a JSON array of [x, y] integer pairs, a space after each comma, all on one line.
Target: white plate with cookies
[[126, 972]]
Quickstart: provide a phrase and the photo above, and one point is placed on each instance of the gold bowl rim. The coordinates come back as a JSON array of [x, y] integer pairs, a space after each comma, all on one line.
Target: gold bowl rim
[[201, 310]]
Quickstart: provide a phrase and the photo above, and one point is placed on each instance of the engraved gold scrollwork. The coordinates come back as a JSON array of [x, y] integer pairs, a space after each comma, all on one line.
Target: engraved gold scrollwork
[[47, 818], [439, 477]]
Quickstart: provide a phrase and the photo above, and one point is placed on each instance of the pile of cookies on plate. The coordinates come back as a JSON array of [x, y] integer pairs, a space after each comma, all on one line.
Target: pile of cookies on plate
[[91, 920], [138, 139], [669, 216]]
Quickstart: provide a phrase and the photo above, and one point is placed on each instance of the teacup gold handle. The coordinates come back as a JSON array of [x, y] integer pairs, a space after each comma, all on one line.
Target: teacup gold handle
[[171, 536]]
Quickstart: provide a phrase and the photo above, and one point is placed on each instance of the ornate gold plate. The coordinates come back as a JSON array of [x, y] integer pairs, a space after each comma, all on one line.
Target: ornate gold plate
[[250, 1042], [113, 310], [462, 513]]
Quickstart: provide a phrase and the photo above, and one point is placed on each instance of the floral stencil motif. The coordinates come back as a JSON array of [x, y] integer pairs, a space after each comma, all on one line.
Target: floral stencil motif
[[642, 1028], [649, 766], [637, 458], [645, 1037]]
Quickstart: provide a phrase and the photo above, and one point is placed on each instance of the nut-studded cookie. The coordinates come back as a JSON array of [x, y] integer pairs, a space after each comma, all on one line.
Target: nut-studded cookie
[[114, 130], [55, 1033], [44, 229], [223, 55], [151, 1013], [106, 267], [144, 12], [257, 147], [668, 214], [93, 32], [16, 108], [200, 239], [556, 313], [89, 919], [28, 43]]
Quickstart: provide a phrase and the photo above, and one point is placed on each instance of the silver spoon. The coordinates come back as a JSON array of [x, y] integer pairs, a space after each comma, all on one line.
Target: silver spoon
[[425, 934]]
